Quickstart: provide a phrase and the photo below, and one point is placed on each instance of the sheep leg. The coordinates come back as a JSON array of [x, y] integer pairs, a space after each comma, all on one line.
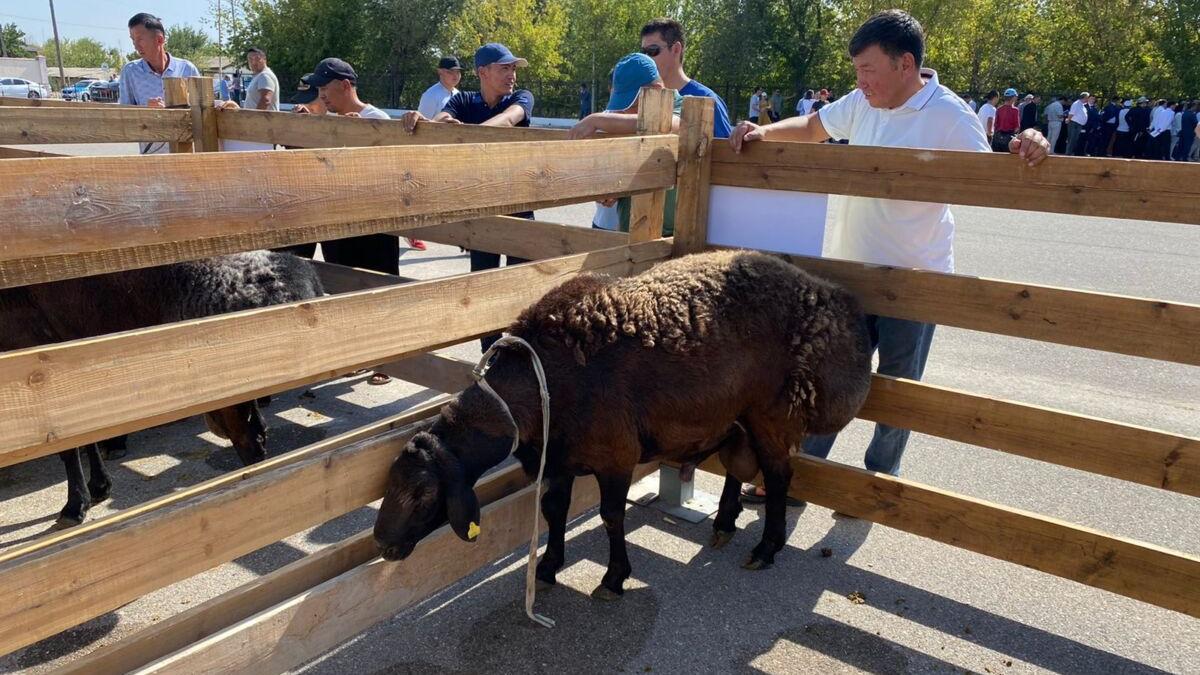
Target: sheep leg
[[777, 476], [100, 486], [556, 502], [614, 490], [725, 524], [249, 437], [78, 501]]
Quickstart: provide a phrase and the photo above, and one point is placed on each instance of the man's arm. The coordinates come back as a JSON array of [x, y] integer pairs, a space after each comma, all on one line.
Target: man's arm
[[511, 117], [805, 129], [610, 123], [265, 98]]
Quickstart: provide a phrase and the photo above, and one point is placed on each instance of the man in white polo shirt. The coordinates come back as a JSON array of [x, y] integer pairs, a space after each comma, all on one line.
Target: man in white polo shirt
[[896, 104]]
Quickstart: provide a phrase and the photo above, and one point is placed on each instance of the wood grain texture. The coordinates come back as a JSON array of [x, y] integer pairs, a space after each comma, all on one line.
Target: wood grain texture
[[341, 279], [528, 239], [196, 623], [309, 624], [22, 153], [175, 95], [435, 371], [164, 545], [1124, 451], [1114, 188], [694, 175], [655, 111], [27, 126], [1131, 568], [88, 204], [334, 131], [204, 116], [18, 102], [65, 395], [1157, 329]]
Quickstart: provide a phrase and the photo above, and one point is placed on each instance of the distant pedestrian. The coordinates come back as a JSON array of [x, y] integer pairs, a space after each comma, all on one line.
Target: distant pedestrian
[[236, 90], [1123, 141], [1008, 121], [804, 105], [776, 106], [1108, 117], [585, 101], [224, 87], [1176, 129], [821, 102], [1160, 130], [756, 100], [987, 113], [1076, 122], [1138, 120], [971, 103], [1029, 112], [1054, 121], [1187, 132], [1093, 130]]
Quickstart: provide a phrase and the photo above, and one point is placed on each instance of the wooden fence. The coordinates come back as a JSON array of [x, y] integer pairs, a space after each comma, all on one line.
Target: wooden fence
[[82, 216]]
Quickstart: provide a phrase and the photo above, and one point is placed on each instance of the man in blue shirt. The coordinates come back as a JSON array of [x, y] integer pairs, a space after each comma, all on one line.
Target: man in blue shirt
[[142, 80], [498, 103], [663, 41]]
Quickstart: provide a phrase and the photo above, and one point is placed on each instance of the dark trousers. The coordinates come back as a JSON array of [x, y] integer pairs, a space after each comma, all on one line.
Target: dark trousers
[[1075, 139], [1123, 147], [1160, 147], [1185, 146], [482, 260], [376, 252], [1140, 144]]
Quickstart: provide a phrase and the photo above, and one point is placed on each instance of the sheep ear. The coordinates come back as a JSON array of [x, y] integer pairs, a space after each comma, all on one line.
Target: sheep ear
[[462, 510]]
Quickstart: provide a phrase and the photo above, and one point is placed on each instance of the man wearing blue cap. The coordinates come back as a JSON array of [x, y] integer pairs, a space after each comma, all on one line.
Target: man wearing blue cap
[[631, 73], [498, 103]]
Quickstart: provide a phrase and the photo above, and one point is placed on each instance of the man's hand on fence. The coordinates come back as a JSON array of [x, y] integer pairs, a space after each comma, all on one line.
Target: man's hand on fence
[[744, 133], [1031, 145], [156, 102], [410, 120], [584, 128]]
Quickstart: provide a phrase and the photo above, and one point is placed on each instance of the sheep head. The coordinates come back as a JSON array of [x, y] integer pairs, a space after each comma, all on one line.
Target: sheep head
[[426, 487]]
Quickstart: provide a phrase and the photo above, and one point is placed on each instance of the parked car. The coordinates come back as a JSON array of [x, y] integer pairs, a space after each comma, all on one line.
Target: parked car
[[78, 90], [104, 92], [15, 86]]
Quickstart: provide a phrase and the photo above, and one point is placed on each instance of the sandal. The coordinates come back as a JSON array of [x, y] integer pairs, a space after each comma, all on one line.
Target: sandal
[[378, 379], [750, 495]]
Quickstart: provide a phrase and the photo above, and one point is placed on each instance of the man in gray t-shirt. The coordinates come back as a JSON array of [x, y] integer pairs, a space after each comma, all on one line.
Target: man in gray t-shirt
[[263, 91]]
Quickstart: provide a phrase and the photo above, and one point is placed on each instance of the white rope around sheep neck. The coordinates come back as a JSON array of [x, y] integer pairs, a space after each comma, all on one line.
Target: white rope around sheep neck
[[478, 373]]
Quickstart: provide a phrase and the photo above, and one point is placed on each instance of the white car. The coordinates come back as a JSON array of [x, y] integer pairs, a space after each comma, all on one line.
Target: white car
[[15, 86]]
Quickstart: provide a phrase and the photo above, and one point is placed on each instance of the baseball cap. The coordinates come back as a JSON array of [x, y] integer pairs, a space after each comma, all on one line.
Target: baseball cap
[[449, 63], [1143, 99], [494, 52], [329, 70], [1128, 103], [305, 92], [631, 73], [1010, 92], [1028, 97]]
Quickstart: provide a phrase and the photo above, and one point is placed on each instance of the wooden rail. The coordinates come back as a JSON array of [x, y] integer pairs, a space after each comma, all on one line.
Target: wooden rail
[[1114, 188], [22, 126], [528, 239], [267, 198], [62, 396]]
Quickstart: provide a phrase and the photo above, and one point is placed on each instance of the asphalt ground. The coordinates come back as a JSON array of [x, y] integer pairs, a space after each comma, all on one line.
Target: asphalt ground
[[927, 607]]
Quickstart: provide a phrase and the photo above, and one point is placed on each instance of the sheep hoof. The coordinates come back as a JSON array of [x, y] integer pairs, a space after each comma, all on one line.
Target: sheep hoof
[[720, 538], [65, 522], [605, 593], [755, 564]]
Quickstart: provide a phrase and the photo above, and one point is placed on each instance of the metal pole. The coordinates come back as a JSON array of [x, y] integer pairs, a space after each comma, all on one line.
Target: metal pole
[[62, 74], [220, 45]]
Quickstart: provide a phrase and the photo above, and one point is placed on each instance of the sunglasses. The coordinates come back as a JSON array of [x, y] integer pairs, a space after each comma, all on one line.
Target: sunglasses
[[652, 51]]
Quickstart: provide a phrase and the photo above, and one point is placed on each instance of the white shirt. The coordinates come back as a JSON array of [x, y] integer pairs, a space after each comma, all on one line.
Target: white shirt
[[1162, 120], [372, 112], [892, 232], [1079, 112], [973, 105], [264, 81], [1122, 125], [804, 105], [987, 111], [1054, 113], [754, 105], [434, 99]]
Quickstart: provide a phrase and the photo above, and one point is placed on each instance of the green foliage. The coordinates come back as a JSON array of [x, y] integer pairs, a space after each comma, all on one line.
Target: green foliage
[[191, 43], [84, 53], [532, 29], [14, 41]]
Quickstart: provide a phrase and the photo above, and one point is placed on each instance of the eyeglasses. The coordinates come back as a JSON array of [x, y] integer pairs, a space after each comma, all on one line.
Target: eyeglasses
[[652, 50]]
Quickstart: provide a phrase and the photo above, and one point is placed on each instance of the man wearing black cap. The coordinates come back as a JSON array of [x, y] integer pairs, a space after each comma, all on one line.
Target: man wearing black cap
[[449, 72], [337, 83]]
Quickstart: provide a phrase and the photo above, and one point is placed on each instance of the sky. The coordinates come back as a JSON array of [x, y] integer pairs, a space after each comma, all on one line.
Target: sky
[[103, 20]]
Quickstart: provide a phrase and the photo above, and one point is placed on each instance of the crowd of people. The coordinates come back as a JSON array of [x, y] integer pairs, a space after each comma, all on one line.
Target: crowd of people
[[897, 103], [1129, 128]]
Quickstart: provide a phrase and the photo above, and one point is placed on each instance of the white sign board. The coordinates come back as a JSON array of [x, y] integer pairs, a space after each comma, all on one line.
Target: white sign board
[[768, 220]]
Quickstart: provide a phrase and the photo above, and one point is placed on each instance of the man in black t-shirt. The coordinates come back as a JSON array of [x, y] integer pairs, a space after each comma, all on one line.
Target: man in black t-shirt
[[498, 103]]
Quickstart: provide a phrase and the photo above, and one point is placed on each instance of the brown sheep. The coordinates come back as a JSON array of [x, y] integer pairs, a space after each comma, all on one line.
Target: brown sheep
[[733, 352]]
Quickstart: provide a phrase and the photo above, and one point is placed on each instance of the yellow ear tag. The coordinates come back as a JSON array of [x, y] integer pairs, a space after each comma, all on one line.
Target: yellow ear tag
[[472, 531]]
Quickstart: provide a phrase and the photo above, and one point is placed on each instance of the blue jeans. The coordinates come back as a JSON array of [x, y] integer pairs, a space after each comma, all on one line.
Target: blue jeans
[[903, 348]]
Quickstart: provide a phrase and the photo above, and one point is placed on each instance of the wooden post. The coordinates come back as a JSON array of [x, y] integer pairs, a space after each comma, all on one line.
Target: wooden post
[[694, 177], [655, 109], [204, 115], [175, 95]]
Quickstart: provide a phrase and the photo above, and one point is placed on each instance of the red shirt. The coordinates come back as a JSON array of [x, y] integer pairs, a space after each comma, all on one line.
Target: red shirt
[[1008, 118]]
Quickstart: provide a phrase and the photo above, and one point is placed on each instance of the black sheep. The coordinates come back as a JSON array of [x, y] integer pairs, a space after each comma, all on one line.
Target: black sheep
[[732, 352], [72, 309]]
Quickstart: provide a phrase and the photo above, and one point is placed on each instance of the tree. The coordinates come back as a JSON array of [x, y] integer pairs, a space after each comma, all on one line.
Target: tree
[[15, 41], [188, 42], [81, 53], [532, 29], [600, 32]]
